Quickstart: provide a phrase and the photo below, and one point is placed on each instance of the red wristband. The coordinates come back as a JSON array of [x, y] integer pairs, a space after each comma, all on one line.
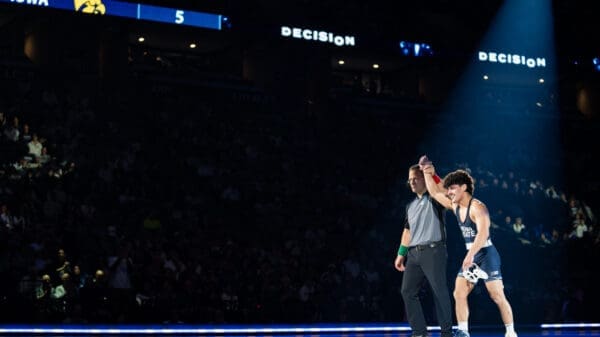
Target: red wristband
[[437, 179]]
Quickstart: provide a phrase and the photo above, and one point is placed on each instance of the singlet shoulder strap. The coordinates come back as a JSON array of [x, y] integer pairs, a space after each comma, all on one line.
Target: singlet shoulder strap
[[468, 209]]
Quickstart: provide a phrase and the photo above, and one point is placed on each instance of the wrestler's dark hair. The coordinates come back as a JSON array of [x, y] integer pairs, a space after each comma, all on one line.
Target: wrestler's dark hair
[[459, 177]]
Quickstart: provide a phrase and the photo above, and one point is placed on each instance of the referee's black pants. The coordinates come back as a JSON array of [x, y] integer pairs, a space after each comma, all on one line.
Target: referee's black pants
[[427, 262]]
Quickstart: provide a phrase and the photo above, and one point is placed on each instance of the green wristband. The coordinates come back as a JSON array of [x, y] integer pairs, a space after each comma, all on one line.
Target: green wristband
[[402, 250]]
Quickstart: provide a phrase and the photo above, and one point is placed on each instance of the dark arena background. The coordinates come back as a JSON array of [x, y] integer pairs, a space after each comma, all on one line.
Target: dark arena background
[[239, 168]]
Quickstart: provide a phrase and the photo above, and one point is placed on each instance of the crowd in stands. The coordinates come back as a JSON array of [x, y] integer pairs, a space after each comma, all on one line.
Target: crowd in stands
[[157, 201]]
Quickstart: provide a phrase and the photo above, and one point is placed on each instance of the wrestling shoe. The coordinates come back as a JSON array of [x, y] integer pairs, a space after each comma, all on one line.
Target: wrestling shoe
[[461, 333], [474, 274]]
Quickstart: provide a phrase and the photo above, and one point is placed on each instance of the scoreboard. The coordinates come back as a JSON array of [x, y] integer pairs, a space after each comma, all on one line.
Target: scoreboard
[[132, 10]]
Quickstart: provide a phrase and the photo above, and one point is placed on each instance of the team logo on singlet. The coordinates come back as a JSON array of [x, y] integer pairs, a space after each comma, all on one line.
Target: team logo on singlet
[[90, 6], [468, 232]]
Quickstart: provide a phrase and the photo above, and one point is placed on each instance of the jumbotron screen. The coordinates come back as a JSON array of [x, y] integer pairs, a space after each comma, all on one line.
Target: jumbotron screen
[[132, 10]]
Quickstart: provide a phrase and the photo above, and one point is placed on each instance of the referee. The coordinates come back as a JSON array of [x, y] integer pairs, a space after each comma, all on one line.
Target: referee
[[422, 255]]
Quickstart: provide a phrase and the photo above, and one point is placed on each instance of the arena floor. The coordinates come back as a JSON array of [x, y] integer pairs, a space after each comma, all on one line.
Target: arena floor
[[328, 330]]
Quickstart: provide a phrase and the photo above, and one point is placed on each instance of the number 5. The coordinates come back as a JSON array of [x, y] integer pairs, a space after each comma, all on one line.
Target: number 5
[[179, 16]]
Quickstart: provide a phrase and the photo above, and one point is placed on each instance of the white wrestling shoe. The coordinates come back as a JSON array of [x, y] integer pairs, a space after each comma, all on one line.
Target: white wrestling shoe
[[511, 334], [474, 274]]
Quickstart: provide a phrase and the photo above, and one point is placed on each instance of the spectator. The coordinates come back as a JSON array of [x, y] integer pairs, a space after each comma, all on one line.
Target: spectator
[[579, 226], [43, 299], [12, 132], [519, 227], [35, 147], [44, 157], [25, 136], [62, 265]]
